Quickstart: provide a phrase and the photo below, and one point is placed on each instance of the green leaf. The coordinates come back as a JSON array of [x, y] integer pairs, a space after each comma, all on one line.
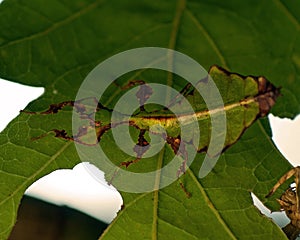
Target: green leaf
[[56, 45]]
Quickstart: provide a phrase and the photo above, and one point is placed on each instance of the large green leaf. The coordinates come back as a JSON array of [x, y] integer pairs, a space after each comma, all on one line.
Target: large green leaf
[[55, 45]]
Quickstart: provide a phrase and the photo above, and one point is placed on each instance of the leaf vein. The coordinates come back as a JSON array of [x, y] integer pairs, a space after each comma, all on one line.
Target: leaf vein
[[56, 25], [210, 204], [208, 37], [12, 174], [33, 176], [155, 196], [181, 229], [287, 12], [173, 37]]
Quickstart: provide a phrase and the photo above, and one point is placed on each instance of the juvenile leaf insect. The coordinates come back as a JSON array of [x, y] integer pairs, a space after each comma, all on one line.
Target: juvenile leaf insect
[[289, 202], [253, 98]]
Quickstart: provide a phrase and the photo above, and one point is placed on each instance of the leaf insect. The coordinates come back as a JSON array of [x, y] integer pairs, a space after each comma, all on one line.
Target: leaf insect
[[289, 202]]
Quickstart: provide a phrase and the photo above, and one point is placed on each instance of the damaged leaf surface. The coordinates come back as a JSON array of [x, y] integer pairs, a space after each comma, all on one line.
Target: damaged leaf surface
[[55, 46]]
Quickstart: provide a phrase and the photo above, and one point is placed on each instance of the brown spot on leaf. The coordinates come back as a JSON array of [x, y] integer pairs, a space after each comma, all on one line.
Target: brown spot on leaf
[[187, 193], [133, 83], [142, 145], [58, 133], [101, 130], [143, 94], [204, 80], [262, 84], [140, 148], [174, 143], [128, 163], [53, 108], [267, 98]]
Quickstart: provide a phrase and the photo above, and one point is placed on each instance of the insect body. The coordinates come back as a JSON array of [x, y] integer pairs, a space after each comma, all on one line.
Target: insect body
[[289, 202]]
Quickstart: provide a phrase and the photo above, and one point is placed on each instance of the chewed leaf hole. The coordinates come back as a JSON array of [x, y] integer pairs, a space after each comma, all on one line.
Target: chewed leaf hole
[[83, 188], [13, 98], [279, 217]]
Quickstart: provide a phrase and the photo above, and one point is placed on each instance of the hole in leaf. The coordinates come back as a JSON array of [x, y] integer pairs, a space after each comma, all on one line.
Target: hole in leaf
[[13, 98], [279, 218], [63, 187], [78, 189], [285, 134]]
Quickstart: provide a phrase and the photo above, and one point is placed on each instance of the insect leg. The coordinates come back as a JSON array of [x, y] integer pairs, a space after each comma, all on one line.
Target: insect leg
[[285, 177], [297, 178]]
